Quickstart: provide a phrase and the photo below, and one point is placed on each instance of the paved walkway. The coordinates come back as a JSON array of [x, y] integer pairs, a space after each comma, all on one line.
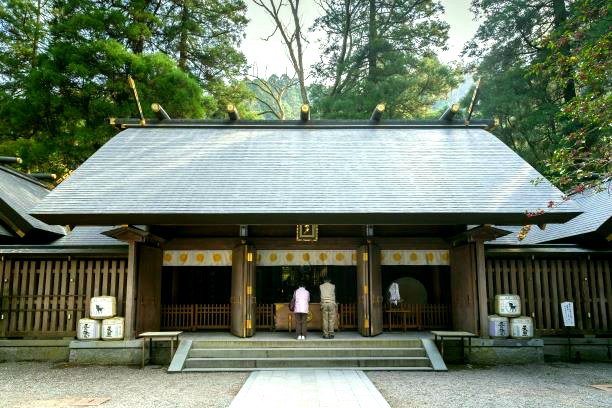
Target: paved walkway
[[309, 389]]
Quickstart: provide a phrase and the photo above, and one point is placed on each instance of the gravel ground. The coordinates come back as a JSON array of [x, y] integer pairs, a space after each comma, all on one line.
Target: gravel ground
[[22, 383], [541, 385]]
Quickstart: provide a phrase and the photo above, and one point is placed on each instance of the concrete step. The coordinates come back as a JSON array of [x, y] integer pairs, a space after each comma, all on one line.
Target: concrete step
[[200, 370], [291, 352], [310, 342], [299, 362]]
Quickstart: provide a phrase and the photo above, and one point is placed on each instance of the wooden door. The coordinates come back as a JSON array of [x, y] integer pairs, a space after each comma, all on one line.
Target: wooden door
[[376, 297], [463, 288], [363, 285], [243, 298], [148, 311]]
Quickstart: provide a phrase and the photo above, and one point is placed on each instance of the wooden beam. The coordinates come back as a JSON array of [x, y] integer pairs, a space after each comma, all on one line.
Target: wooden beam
[[481, 276], [377, 113], [481, 233], [129, 233], [10, 160], [449, 113], [130, 292], [124, 123], [232, 112], [160, 112], [305, 112]]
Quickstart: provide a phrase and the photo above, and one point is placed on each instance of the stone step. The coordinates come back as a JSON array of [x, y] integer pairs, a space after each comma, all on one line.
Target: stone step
[[200, 370], [299, 362], [310, 342], [290, 352]]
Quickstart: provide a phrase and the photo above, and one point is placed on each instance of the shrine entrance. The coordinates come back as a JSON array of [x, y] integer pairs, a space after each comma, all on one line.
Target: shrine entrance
[[276, 284], [423, 283]]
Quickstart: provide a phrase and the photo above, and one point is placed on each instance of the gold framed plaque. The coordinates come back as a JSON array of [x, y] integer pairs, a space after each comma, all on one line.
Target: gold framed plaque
[[307, 232]]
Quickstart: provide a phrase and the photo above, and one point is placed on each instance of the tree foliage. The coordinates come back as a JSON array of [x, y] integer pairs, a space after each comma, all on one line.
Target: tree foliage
[[545, 69], [381, 51], [64, 67]]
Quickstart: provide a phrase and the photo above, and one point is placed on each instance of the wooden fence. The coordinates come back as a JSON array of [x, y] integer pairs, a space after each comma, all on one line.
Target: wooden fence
[[217, 316], [543, 283], [47, 297], [347, 316], [407, 316]]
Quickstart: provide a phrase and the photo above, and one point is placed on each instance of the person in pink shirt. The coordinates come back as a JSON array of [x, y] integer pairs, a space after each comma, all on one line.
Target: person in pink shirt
[[300, 311]]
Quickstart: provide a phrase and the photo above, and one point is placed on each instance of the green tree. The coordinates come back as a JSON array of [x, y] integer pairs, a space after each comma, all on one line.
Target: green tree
[[545, 73], [381, 51], [278, 97], [54, 110]]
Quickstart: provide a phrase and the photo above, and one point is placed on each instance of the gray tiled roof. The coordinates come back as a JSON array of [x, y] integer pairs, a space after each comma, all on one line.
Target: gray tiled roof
[[182, 175], [18, 195], [81, 240], [87, 236], [596, 205]]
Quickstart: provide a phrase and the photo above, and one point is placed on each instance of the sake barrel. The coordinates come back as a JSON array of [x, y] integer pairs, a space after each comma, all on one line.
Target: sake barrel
[[103, 307], [89, 329], [112, 329], [499, 327], [508, 305], [521, 327]]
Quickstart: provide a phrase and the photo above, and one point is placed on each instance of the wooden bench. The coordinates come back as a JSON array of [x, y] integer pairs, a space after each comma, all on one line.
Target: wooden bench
[[454, 335], [170, 336]]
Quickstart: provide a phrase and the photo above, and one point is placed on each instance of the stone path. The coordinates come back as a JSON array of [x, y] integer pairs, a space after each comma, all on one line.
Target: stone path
[[309, 388]]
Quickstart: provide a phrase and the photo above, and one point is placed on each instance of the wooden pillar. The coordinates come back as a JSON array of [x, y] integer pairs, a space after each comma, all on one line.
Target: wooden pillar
[[148, 311], [482, 288], [130, 292], [5, 273], [463, 288]]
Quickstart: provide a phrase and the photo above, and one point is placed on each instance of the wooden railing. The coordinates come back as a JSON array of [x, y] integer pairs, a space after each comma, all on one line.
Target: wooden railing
[[218, 316], [210, 316], [407, 316], [265, 316], [347, 316]]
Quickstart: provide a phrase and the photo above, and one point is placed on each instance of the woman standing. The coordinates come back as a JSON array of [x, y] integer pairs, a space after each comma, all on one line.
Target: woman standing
[[300, 311]]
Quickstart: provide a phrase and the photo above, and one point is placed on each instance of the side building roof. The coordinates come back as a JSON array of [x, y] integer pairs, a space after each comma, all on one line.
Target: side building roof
[[302, 174], [595, 222], [19, 194], [81, 240]]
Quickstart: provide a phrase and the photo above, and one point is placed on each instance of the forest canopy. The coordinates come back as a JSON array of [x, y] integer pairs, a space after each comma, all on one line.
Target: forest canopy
[[544, 66]]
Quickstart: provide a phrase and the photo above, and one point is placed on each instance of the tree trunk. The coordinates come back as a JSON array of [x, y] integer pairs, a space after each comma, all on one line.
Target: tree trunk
[[372, 36], [346, 32], [560, 17], [182, 60], [298, 42]]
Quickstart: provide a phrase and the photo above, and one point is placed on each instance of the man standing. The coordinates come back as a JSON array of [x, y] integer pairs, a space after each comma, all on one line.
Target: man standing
[[328, 308]]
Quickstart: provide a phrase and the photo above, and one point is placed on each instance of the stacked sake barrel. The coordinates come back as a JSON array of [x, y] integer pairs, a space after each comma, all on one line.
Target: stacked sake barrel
[[102, 322], [508, 322]]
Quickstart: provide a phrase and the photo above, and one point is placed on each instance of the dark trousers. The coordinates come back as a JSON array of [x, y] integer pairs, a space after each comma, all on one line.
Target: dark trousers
[[300, 323]]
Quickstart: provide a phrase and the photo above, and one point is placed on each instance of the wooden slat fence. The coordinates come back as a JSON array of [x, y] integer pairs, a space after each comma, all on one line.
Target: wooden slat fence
[[265, 316], [543, 283], [47, 297], [347, 316], [209, 316], [212, 316], [417, 316]]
